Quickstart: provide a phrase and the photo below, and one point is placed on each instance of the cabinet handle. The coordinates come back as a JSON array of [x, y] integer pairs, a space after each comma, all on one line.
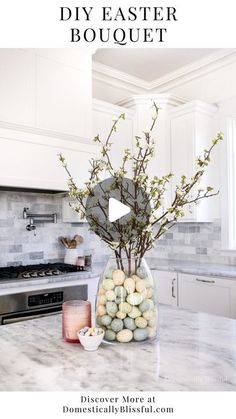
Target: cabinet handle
[[173, 288], [209, 281]]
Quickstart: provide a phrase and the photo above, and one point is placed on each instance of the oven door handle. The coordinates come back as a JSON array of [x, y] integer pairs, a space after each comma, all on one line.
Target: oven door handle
[[19, 317]]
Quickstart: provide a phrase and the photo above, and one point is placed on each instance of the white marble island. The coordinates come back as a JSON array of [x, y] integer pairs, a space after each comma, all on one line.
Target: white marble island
[[196, 352]]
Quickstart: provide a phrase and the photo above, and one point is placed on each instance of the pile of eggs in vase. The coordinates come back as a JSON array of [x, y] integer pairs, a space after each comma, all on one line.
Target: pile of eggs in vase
[[126, 307]]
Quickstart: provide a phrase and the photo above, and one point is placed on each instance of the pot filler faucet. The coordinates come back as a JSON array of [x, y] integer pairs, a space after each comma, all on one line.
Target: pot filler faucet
[[37, 219]]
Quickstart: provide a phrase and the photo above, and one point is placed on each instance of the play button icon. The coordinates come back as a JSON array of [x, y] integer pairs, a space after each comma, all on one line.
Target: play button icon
[[116, 210]]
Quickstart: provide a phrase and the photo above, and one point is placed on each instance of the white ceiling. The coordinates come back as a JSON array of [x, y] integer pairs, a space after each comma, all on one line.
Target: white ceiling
[[150, 64]]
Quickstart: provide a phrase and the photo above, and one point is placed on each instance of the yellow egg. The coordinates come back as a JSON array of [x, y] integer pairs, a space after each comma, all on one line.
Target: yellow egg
[[129, 285], [124, 336], [141, 322], [125, 307], [140, 286], [151, 332], [118, 277], [101, 300], [148, 315], [110, 295], [108, 284], [101, 291], [152, 322], [101, 310], [121, 315], [135, 277], [149, 292]]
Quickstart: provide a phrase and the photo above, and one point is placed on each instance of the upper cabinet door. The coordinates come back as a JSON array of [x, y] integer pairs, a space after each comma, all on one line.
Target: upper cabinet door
[[192, 128]]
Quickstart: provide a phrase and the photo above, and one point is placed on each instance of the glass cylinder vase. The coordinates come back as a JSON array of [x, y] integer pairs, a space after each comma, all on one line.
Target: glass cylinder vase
[[126, 304]]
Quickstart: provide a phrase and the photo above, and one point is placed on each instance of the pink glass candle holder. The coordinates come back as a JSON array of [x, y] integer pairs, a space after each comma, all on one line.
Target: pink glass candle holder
[[76, 314]]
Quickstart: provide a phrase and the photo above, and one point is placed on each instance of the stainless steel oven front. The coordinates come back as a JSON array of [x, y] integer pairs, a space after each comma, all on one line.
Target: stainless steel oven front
[[38, 303]]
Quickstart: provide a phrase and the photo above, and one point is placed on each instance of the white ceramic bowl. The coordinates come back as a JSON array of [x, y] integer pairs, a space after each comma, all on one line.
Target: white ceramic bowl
[[91, 343]]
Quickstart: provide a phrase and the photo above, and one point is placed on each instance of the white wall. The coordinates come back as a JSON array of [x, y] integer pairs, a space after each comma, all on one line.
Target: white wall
[[49, 89]]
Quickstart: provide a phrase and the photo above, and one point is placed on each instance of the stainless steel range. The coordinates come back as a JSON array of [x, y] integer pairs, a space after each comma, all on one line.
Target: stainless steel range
[[24, 303]]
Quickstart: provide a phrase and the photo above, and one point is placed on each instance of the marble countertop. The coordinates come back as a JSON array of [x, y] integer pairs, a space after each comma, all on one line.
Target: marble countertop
[[194, 268], [196, 351]]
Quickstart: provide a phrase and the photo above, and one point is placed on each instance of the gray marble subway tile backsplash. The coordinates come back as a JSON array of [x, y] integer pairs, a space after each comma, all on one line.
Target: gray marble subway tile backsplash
[[197, 242]]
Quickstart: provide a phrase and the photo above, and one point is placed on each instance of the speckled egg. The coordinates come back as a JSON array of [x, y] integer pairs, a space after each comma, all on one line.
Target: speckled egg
[[124, 336], [110, 335], [146, 305], [129, 323], [106, 320], [111, 314], [111, 307], [98, 321], [110, 295], [141, 322], [118, 300], [125, 307], [117, 325], [129, 285], [118, 277], [148, 282], [135, 312], [141, 272], [140, 334], [101, 310], [148, 315], [108, 284], [135, 299], [120, 292], [140, 286], [149, 292], [121, 315], [101, 300]]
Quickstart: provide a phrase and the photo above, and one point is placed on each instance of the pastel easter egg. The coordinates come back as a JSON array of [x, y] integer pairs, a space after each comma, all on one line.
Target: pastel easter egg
[[148, 281], [121, 315], [141, 322], [110, 295], [109, 273], [135, 299], [152, 331], [140, 286], [141, 272], [140, 334], [120, 292], [118, 300], [135, 312], [149, 293], [148, 315], [98, 320], [101, 310], [101, 291], [124, 336], [152, 322], [135, 277], [117, 325], [111, 314], [125, 307], [101, 300], [108, 284], [129, 323], [129, 285], [106, 320], [110, 335], [111, 307], [118, 277], [146, 305]]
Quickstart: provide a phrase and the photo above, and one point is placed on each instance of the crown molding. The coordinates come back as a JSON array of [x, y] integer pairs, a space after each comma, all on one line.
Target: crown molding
[[118, 79], [115, 110], [162, 99], [194, 106]]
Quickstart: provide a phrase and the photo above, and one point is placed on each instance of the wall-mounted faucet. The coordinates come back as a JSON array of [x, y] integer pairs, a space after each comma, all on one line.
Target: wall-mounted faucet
[[37, 218]]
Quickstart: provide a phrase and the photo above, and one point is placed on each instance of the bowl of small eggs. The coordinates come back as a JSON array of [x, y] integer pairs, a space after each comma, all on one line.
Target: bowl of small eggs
[[91, 337]]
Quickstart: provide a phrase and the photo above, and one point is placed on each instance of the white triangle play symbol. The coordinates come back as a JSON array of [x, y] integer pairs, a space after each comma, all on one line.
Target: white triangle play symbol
[[116, 210]]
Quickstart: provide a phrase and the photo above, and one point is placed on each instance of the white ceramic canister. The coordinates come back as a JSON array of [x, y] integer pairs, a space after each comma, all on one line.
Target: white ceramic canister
[[71, 256]]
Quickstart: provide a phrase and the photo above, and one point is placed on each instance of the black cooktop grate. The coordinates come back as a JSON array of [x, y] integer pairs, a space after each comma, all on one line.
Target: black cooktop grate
[[40, 270]]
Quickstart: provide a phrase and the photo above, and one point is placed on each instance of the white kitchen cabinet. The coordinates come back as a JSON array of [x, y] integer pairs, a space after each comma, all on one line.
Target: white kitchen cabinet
[[103, 116], [29, 159], [207, 294], [192, 127], [167, 287]]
